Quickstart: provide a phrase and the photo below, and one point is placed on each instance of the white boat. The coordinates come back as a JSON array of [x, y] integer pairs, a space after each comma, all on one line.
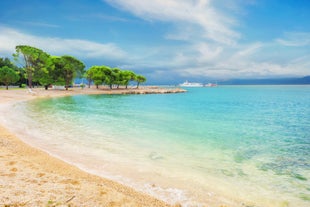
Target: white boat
[[210, 85], [189, 84], [193, 84]]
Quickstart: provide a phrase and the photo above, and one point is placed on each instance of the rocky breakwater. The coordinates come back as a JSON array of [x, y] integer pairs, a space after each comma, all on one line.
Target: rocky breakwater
[[147, 90]]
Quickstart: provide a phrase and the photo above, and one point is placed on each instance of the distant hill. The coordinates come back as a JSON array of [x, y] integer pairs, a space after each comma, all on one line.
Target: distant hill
[[269, 81]]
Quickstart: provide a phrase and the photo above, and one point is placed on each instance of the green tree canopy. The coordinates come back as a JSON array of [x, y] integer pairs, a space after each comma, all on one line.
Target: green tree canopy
[[112, 76], [108, 74], [6, 62], [42, 68], [67, 68], [7, 76], [127, 76], [140, 79], [116, 77], [20, 71], [33, 59], [89, 76], [47, 74], [96, 74]]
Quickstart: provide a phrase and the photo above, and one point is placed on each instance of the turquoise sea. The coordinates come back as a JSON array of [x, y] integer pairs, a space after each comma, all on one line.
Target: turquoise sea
[[228, 145]]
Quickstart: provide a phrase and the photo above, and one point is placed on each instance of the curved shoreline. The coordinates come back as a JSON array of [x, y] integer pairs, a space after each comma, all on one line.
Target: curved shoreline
[[31, 177]]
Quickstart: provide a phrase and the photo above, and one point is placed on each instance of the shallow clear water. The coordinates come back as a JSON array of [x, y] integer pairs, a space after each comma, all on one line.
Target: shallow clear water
[[232, 145]]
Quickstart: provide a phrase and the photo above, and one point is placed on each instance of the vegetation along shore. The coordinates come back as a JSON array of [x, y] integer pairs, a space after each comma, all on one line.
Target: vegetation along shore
[[36, 67]]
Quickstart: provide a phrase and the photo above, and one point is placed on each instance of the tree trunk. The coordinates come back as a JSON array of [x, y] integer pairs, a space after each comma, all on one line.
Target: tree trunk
[[30, 79], [89, 80], [7, 86], [138, 84], [97, 86], [28, 72], [46, 87], [67, 85]]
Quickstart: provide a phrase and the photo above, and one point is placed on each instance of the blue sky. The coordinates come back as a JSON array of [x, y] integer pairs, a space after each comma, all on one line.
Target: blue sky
[[168, 41]]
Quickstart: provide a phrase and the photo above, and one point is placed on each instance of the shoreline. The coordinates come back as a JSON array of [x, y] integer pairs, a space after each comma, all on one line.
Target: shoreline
[[32, 177]]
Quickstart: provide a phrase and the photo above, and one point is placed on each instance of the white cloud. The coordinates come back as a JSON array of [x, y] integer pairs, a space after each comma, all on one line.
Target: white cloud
[[295, 39], [213, 24], [191, 59], [241, 70], [248, 50], [9, 38], [211, 46], [208, 53], [253, 60]]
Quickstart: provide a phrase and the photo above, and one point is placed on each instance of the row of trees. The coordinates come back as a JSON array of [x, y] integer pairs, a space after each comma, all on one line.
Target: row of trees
[[44, 69], [112, 76]]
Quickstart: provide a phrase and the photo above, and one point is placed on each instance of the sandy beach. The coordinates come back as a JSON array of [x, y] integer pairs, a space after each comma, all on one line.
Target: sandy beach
[[31, 177]]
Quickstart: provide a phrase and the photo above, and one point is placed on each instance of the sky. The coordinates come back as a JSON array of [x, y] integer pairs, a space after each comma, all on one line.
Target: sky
[[168, 41]]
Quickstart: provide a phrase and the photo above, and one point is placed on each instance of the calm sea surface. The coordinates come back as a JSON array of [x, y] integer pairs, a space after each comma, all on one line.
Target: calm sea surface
[[230, 145]]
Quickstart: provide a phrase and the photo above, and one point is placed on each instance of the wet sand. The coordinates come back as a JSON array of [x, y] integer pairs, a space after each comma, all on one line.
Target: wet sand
[[31, 177]]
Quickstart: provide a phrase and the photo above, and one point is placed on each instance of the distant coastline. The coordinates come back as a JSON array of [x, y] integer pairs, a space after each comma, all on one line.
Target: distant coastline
[[236, 81], [268, 81]]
